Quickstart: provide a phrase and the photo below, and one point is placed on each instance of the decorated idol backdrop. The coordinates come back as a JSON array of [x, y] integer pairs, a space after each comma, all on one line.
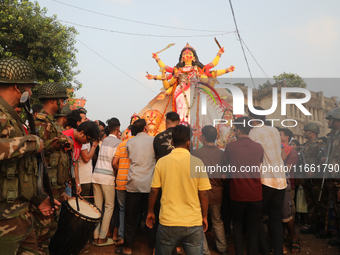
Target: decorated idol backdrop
[[186, 87]]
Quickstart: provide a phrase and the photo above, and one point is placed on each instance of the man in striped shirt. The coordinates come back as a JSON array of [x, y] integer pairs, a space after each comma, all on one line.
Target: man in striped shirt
[[103, 180], [121, 163]]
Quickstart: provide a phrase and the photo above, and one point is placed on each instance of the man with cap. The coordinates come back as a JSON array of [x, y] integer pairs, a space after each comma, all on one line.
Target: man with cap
[[316, 209], [61, 118], [53, 96], [333, 178], [18, 164]]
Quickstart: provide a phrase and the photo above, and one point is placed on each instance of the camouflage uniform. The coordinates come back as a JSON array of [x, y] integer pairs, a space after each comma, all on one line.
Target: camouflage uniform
[[316, 210], [333, 180], [63, 113], [18, 170], [58, 161]]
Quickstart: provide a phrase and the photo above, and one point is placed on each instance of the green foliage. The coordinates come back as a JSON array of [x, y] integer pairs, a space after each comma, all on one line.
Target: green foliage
[[236, 84], [291, 80], [265, 85], [27, 33], [240, 84]]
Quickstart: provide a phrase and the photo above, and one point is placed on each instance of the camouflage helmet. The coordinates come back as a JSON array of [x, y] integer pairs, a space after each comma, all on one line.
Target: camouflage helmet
[[329, 115], [16, 71], [52, 90], [312, 127], [336, 113], [64, 112]]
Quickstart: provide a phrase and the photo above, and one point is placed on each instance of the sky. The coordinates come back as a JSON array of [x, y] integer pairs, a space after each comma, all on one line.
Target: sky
[[300, 37]]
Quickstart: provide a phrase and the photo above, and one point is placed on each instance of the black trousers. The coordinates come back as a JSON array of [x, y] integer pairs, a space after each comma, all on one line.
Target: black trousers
[[115, 216], [253, 212], [272, 203], [134, 204]]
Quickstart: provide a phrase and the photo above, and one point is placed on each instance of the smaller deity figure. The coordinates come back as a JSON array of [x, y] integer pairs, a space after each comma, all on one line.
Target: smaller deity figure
[[127, 132], [225, 132], [155, 122]]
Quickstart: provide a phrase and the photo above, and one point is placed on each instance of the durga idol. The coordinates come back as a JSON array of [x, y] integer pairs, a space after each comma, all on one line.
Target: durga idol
[[184, 82]]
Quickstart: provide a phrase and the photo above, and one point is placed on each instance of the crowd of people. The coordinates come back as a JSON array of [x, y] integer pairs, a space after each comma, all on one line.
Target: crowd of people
[[158, 183]]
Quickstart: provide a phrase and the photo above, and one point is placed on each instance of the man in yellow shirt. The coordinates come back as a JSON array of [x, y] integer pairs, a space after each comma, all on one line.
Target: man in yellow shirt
[[184, 202]]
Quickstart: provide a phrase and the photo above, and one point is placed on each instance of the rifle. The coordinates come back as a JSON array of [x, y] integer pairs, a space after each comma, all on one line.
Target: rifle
[[303, 161], [42, 165], [329, 148]]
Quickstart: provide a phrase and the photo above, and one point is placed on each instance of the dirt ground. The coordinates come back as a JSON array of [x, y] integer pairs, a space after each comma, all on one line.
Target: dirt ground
[[309, 246]]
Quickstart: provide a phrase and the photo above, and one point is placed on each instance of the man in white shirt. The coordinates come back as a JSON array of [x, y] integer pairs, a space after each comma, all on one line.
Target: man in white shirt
[[273, 182], [103, 180]]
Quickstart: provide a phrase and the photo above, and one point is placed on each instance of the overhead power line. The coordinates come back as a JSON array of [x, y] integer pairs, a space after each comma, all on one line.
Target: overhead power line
[[255, 59], [239, 37], [115, 66], [136, 34], [135, 21]]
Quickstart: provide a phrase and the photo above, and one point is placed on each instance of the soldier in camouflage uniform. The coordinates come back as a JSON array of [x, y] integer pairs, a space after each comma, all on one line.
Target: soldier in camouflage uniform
[[61, 118], [333, 179], [53, 96], [316, 210], [18, 164]]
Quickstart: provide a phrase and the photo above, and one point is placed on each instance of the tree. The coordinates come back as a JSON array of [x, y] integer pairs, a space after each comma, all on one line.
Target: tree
[[242, 84], [291, 80], [27, 33]]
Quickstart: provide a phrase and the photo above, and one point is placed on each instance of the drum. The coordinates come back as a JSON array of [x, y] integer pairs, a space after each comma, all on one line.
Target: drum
[[75, 228]]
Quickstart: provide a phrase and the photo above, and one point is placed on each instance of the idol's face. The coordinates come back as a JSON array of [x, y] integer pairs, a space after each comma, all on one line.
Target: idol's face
[[188, 55]]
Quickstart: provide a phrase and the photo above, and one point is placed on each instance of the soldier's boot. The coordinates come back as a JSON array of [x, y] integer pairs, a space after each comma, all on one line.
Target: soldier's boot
[[334, 242], [312, 229]]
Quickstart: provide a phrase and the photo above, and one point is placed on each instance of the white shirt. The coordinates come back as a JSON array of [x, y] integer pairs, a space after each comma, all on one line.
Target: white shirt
[[85, 169], [103, 172], [269, 138]]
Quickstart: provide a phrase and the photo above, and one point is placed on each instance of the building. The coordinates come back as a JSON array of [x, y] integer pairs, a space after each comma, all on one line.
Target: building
[[318, 106], [75, 103]]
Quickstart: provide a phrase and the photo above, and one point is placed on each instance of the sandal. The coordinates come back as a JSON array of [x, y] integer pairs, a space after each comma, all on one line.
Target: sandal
[[108, 242], [296, 246]]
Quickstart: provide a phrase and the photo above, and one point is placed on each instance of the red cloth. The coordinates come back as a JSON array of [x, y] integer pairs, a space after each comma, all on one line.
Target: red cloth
[[287, 148], [25, 128], [244, 186], [76, 145]]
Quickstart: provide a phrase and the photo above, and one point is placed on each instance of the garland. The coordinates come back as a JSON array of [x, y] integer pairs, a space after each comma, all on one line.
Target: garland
[[187, 102]]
